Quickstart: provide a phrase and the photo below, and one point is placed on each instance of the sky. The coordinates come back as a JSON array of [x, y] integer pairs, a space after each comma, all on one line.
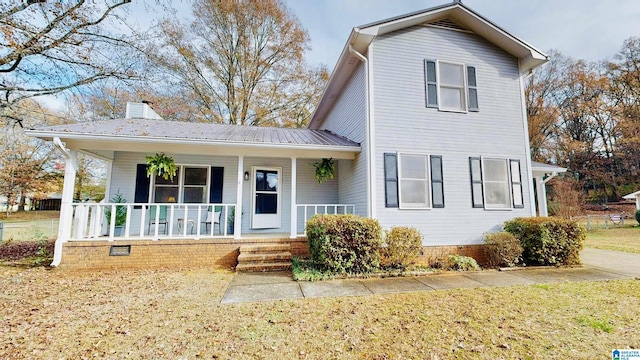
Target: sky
[[592, 30]]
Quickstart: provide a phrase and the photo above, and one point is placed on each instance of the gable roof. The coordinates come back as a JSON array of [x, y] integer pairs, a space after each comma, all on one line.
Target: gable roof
[[97, 135], [362, 36]]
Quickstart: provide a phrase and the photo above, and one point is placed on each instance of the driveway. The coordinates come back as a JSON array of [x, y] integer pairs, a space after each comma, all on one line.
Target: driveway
[[623, 263]]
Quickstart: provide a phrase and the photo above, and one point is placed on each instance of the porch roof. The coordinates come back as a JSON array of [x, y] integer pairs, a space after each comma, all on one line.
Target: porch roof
[[102, 137]]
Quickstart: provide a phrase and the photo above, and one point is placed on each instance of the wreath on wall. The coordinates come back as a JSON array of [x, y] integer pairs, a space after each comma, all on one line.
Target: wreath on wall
[[325, 170], [161, 165]]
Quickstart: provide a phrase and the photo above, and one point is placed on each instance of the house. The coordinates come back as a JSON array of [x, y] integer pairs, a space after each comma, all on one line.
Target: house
[[424, 117], [634, 196]]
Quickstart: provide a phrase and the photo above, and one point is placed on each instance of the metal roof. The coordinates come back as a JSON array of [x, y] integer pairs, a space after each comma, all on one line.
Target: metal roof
[[189, 131], [538, 166]]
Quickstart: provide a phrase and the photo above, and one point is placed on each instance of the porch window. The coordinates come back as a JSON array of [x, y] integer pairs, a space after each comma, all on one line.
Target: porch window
[[168, 190], [191, 185]]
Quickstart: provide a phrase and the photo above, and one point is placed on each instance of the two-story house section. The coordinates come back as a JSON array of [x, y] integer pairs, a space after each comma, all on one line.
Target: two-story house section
[[436, 100]]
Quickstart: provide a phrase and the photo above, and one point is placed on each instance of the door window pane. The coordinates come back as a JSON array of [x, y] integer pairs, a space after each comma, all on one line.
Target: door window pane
[[266, 180], [266, 203]]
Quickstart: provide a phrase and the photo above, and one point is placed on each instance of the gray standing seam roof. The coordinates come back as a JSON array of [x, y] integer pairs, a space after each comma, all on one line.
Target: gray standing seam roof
[[162, 129]]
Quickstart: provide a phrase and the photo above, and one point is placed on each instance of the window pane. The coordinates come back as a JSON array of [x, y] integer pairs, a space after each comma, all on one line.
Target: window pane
[[436, 169], [266, 180], [515, 171], [451, 98], [431, 71], [477, 194], [438, 195], [163, 193], [392, 193], [495, 170], [497, 195], [194, 195], [451, 74], [413, 166], [390, 167], [414, 192], [195, 176], [266, 203], [161, 181], [517, 195]]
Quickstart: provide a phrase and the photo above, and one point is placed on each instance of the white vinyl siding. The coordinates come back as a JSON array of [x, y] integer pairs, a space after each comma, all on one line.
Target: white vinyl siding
[[404, 124]]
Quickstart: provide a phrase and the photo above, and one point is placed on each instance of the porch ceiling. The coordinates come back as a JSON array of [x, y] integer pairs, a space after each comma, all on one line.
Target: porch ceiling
[[142, 135]]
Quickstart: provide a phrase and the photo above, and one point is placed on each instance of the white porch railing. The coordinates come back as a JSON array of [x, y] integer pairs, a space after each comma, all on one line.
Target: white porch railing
[[178, 221], [307, 211]]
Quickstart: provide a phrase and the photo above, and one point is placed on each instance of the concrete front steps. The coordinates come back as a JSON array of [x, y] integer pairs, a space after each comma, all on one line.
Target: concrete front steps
[[264, 257]]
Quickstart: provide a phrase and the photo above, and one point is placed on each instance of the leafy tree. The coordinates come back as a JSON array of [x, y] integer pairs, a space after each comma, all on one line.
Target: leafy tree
[[239, 62], [47, 47]]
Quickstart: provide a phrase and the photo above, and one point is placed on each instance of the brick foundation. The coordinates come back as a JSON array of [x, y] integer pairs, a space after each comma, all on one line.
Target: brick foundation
[[147, 254]]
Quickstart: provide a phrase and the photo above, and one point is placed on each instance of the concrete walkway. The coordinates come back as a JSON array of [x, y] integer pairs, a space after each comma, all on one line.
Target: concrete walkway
[[598, 265]]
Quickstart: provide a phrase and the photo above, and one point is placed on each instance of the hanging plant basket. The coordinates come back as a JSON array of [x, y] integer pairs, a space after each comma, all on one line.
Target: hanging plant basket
[[325, 170], [161, 165]]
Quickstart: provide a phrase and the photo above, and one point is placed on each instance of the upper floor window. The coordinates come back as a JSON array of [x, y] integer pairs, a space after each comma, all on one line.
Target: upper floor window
[[450, 86]]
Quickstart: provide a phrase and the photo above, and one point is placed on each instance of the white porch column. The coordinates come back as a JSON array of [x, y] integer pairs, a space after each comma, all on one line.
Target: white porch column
[[294, 193], [638, 201], [66, 208], [542, 197], [237, 224]]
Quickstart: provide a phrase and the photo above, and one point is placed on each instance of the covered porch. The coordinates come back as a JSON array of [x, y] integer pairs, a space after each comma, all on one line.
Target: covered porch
[[234, 183], [542, 173]]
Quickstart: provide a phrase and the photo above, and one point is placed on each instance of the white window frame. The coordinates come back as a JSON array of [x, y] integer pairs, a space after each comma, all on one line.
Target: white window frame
[[463, 88], [485, 181], [181, 185], [427, 180]]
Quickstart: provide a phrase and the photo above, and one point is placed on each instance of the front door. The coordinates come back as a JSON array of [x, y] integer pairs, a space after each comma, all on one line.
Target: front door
[[265, 206]]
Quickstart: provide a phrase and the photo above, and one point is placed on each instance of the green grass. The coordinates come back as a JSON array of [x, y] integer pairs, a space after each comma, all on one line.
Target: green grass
[[52, 314], [625, 239]]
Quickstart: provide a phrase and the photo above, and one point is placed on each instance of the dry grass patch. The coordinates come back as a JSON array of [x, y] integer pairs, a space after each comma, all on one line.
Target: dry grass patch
[[177, 314], [625, 239]]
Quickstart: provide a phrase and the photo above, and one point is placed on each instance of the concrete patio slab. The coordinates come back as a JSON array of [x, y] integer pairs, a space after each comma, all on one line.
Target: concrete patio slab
[[333, 288], [495, 278], [274, 277], [449, 281], [263, 292], [393, 285], [546, 276]]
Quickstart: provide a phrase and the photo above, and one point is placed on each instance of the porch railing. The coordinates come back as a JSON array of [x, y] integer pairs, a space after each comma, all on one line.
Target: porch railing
[[90, 221], [307, 211]]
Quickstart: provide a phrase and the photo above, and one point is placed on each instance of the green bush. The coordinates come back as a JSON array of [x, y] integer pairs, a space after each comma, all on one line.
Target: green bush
[[547, 240], [345, 243], [403, 246], [462, 263], [502, 249], [638, 216]]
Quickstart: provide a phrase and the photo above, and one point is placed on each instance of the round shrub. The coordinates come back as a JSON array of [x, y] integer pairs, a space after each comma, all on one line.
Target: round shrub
[[462, 263], [548, 240], [638, 216], [502, 249], [403, 246], [345, 243]]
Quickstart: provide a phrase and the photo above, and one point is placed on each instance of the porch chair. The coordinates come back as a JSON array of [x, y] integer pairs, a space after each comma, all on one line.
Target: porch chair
[[213, 216], [162, 217]]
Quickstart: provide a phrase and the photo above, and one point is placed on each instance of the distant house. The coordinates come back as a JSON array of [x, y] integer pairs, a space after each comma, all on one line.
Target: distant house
[[634, 196], [424, 117]]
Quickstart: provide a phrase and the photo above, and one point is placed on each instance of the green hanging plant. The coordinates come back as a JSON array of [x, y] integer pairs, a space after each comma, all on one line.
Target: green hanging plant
[[325, 170], [161, 165]]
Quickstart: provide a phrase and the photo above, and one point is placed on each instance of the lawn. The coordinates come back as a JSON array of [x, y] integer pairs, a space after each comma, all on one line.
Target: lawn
[[29, 225], [620, 239], [172, 314]]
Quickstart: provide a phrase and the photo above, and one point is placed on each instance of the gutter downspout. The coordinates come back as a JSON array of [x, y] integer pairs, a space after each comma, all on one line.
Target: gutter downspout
[[371, 211], [66, 209]]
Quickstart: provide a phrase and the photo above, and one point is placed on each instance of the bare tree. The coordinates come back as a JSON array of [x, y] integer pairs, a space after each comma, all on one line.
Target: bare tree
[[48, 47]]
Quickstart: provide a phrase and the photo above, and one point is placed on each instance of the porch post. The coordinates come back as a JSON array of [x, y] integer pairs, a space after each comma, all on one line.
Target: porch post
[[237, 224], [542, 197], [294, 193], [66, 208]]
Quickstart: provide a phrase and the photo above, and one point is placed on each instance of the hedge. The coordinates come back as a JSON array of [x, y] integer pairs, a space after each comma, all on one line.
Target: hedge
[[345, 243], [548, 240], [403, 245]]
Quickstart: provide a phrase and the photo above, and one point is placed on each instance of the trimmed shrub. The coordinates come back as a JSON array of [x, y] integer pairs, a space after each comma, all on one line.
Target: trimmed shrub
[[462, 263], [345, 243], [502, 249], [638, 216], [403, 246], [547, 240]]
